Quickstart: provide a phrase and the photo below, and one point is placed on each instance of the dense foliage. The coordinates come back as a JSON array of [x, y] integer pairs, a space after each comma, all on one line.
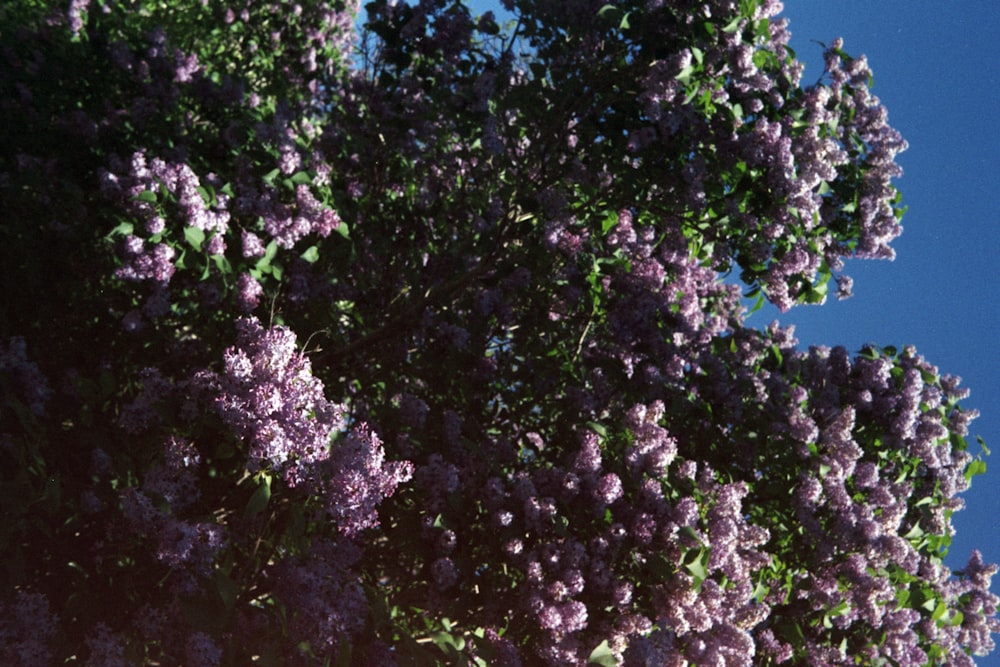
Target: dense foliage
[[424, 344]]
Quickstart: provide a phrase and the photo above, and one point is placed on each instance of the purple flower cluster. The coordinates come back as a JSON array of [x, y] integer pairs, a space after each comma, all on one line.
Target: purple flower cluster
[[188, 548], [858, 501], [801, 144], [356, 479], [323, 597], [145, 178], [269, 396], [155, 264], [27, 629], [575, 591], [32, 388], [288, 223]]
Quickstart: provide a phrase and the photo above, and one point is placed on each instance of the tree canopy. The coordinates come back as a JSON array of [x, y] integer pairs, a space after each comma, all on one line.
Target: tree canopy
[[420, 340]]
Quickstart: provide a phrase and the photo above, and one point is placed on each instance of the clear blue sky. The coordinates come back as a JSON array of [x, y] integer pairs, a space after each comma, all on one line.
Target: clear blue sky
[[937, 70]]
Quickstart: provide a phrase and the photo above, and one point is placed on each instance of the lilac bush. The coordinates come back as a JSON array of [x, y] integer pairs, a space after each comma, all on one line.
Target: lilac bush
[[422, 342]]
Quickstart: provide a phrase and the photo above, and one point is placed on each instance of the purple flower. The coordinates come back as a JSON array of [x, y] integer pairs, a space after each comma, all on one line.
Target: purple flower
[[202, 651], [27, 629], [443, 573], [248, 292], [216, 245], [845, 286], [609, 489], [252, 245], [76, 10], [186, 67], [32, 386], [323, 595], [270, 397], [141, 264]]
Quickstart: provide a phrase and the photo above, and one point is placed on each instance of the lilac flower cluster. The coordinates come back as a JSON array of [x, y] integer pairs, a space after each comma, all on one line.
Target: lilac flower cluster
[[32, 388], [188, 548], [575, 592], [662, 285], [858, 501], [803, 154], [27, 628], [288, 223], [323, 598], [269, 396], [147, 178], [155, 264], [171, 202], [157, 193]]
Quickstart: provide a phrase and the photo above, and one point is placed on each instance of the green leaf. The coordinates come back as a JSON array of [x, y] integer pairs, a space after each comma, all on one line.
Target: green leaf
[[207, 196], [301, 178], [976, 467], [610, 222], [311, 254], [869, 352], [344, 654], [448, 642], [776, 353], [194, 236], [147, 196], [598, 428], [258, 501], [760, 591], [684, 76], [689, 532], [226, 589], [123, 229], [915, 533], [271, 175], [603, 655], [222, 264], [697, 567], [269, 253], [691, 94], [818, 292]]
